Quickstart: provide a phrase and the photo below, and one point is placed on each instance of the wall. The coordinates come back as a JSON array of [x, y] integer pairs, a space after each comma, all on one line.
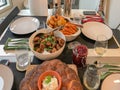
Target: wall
[[18, 3], [89, 4], [114, 13]]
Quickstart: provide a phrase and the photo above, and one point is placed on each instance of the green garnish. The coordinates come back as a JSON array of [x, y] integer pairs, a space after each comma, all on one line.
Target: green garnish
[[48, 79]]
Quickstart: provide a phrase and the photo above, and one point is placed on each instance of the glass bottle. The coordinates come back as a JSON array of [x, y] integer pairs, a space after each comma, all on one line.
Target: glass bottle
[[67, 7], [56, 9], [91, 78]]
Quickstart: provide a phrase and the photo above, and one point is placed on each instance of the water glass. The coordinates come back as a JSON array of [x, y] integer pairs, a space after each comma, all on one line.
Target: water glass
[[23, 59], [80, 53], [91, 78], [101, 45], [77, 18]]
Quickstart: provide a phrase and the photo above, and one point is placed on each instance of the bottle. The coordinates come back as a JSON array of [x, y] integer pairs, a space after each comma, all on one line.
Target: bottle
[[91, 78], [67, 7], [56, 9]]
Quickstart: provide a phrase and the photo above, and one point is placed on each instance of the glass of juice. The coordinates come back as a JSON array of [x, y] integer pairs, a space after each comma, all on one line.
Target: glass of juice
[[80, 53]]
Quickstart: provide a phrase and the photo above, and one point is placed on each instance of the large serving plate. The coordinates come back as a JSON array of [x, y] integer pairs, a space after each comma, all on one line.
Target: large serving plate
[[93, 29], [24, 25], [6, 78], [112, 82]]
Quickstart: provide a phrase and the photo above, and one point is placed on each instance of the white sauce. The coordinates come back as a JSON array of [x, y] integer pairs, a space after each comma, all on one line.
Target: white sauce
[[51, 85], [1, 83]]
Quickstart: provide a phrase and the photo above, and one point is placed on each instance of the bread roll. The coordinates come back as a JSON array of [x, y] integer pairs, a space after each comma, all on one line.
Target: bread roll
[[70, 80]]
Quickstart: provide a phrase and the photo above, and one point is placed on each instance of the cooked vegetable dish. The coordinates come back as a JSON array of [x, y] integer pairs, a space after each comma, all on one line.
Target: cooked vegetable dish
[[47, 42]]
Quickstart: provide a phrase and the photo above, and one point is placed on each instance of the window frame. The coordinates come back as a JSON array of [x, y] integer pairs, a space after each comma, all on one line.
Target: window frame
[[6, 6]]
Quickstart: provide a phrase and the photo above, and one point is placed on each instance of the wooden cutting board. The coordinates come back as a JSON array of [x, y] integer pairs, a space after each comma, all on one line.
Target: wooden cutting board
[[72, 66]]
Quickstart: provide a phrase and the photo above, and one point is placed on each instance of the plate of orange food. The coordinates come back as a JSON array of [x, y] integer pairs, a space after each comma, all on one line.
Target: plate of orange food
[[70, 30]]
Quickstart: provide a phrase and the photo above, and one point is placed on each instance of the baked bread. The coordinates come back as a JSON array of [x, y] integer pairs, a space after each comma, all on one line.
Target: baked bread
[[70, 80]]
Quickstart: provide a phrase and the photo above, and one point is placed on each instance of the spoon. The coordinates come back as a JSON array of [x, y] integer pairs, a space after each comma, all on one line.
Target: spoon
[[79, 25]]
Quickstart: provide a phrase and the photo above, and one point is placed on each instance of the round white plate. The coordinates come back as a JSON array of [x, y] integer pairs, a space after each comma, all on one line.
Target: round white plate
[[93, 29], [24, 25], [112, 82], [6, 77]]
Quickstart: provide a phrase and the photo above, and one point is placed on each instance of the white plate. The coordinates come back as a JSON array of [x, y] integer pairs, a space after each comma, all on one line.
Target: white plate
[[6, 77], [93, 29], [24, 25], [112, 82]]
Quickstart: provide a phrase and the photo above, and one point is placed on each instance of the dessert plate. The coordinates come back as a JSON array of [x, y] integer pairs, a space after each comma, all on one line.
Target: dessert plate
[[93, 29], [111, 82], [24, 25], [6, 78]]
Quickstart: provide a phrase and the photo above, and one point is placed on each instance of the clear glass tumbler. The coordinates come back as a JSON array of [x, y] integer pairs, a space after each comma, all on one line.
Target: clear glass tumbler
[[91, 78], [101, 45], [22, 59]]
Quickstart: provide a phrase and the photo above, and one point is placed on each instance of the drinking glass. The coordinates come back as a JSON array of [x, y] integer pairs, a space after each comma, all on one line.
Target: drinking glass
[[101, 45], [23, 59], [77, 18], [91, 78]]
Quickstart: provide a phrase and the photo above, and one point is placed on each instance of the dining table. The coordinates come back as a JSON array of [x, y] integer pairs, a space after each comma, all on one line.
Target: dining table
[[112, 56]]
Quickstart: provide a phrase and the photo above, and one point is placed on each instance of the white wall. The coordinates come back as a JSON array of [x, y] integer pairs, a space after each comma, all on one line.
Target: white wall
[[18, 3], [114, 13]]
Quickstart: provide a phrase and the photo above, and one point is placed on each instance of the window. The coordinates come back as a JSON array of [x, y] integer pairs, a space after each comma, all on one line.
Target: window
[[4, 5], [3, 2]]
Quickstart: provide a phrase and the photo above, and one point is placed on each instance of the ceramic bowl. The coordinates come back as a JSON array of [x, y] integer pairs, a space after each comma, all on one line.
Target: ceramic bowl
[[73, 36], [46, 56], [50, 73]]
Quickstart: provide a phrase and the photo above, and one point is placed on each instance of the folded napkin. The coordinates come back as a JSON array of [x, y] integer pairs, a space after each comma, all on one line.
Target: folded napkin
[[95, 18], [17, 43]]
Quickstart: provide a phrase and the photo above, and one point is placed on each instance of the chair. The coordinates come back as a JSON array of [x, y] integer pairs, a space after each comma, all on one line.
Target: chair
[[8, 19]]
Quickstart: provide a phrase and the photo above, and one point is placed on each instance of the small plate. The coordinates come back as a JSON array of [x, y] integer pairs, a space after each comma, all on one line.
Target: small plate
[[111, 82], [24, 25], [6, 77], [93, 29]]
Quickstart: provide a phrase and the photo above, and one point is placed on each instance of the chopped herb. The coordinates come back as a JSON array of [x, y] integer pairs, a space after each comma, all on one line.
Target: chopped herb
[[48, 79]]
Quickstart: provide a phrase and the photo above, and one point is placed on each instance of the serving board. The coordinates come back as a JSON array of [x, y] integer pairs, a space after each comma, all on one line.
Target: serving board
[[72, 66]]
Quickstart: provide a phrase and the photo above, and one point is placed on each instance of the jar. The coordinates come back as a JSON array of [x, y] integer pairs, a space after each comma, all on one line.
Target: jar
[[80, 53], [91, 78]]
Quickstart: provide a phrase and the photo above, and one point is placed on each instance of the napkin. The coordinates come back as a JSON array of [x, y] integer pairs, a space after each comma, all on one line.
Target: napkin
[[93, 18], [17, 43]]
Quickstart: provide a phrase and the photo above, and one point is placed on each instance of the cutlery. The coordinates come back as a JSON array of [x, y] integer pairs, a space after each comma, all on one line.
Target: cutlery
[[79, 25], [57, 28], [106, 65], [104, 72], [105, 69]]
